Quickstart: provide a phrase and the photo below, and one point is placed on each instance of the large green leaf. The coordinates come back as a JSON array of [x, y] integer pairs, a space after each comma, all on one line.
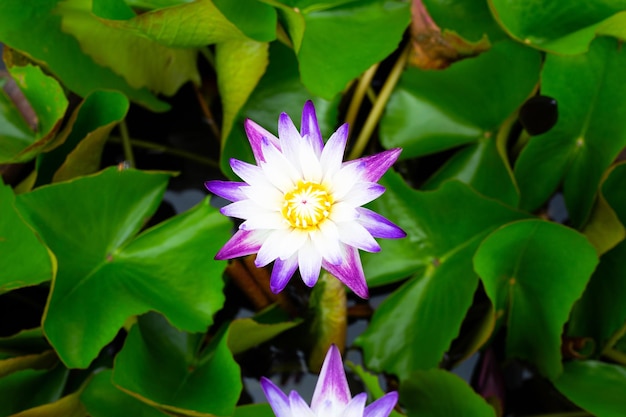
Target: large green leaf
[[533, 271], [588, 135], [438, 393], [18, 242], [105, 276], [280, 90], [414, 326], [102, 399], [35, 29], [18, 141], [239, 64], [468, 18], [431, 111], [254, 410], [169, 369], [557, 25], [602, 310], [595, 386], [254, 18], [482, 166], [84, 137], [143, 62], [339, 43], [31, 388]]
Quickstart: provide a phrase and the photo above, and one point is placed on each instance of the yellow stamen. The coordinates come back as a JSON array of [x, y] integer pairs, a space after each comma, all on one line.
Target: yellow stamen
[[307, 205]]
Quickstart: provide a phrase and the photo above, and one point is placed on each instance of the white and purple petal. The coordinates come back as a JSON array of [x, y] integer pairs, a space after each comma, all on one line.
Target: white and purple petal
[[256, 134], [282, 273], [332, 154], [362, 193], [382, 407], [277, 399], [310, 262], [353, 234], [350, 271], [310, 129], [356, 406], [243, 243], [332, 388], [230, 190], [299, 408], [371, 168], [377, 225]]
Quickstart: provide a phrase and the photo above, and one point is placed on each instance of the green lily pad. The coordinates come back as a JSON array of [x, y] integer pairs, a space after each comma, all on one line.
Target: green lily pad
[[600, 312], [430, 111], [557, 26], [68, 406], [280, 90], [481, 166], [18, 142], [169, 369], [254, 410], [247, 333], [31, 388], [103, 399], [254, 18], [83, 137], [239, 64], [106, 276], [19, 239], [588, 135], [438, 393], [444, 227], [595, 386], [340, 43], [43, 40], [533, 272]]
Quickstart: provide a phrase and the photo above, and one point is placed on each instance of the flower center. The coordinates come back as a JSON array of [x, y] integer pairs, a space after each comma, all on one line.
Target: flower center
[[306, 205]]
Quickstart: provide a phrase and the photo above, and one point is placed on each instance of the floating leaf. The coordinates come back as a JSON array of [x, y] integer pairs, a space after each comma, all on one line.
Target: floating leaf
[[588, 135], [595, 386], [431, 111], [106, 276], [31, 388], [254, 410], [44, 360], [142, 62], [600, 312], [239, 64], [44, 39], [18, 142], [18, 239], [254, 18], [533, 272], [438, 393], [443, 235], [102, 399], [556, 26], [248, 333], [68, 406], [166, 368], [339, 43]]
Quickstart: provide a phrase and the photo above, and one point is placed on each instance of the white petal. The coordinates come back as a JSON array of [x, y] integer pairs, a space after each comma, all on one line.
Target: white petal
[[251, 174], [298, 407], [267, 197], [292, 243], [356, 407], [278, 401], [310, 262], [265, 220], [332, 154], [256, 134], [353, 234], [290, 138], [343, 181], [278, 170], [326, 241], [343, 212], [362, 193], [271, 248], [243, 209], [309, 163]]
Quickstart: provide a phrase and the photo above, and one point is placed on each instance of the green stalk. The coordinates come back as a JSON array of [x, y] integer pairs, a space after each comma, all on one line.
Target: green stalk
[[379, 104], [126, 145]]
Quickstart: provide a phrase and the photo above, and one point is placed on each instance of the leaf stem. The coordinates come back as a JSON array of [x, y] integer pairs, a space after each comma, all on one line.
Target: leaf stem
[[379, 105], [359, 92], [615, 337], [173, 151], [126, 144], [207, 114]]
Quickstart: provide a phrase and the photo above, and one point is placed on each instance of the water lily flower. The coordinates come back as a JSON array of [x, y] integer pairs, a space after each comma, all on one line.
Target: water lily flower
[[301, 204], [331, 397]]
